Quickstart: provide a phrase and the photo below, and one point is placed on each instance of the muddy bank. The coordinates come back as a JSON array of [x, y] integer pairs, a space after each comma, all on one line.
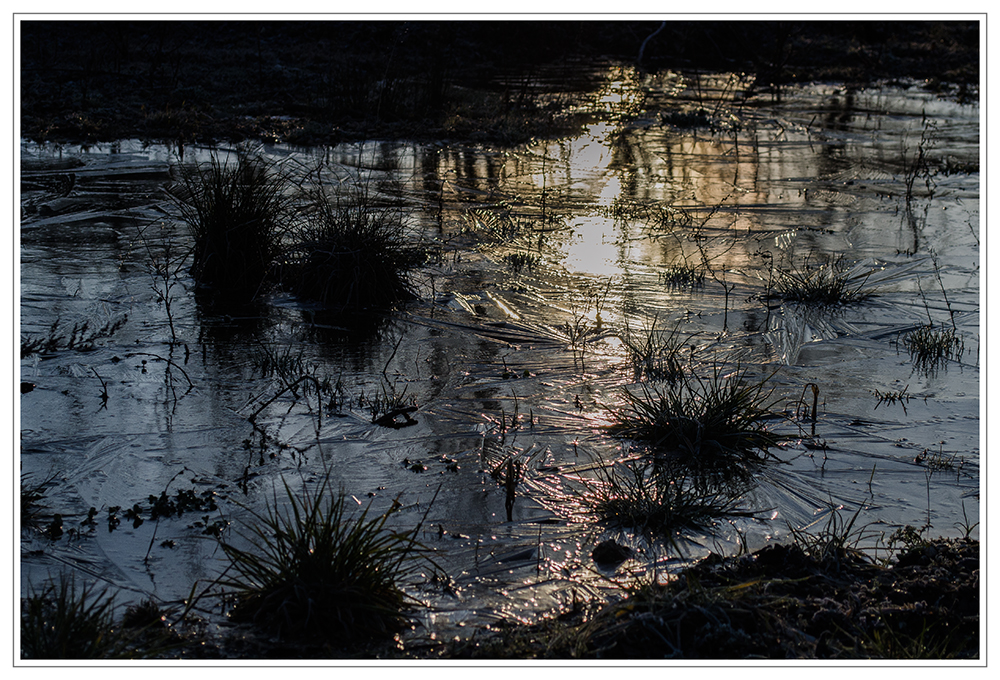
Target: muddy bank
[[777, 603], [330, 81]]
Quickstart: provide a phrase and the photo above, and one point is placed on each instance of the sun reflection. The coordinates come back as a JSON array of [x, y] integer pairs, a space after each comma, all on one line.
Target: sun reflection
[[592, 248]]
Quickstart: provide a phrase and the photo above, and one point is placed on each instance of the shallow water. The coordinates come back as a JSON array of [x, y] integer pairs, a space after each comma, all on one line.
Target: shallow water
[[488, 353]]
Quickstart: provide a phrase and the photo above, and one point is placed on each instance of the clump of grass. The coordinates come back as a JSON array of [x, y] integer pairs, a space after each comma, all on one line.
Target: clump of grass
[[313, 572], [939, 460], [497, 224], [657, 216], [706, 420], [518, 262], [682, 275], [653, 353], [353, 253], [698, 118], [931, 347], [659, 499], [285, 364], [836, 543], [238, 212], [62, 621], [296, 373], [625, 209], [828, 284], [389, 405]]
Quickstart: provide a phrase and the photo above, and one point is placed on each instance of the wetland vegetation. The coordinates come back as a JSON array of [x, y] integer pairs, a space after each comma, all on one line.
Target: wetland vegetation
[[444, 345]]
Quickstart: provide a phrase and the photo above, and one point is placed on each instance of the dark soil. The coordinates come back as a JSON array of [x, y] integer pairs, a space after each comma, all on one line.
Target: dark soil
[[321, 82], [778, 603]]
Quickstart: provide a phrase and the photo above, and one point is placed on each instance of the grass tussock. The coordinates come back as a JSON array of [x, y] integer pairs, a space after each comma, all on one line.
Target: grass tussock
[[314, 572], [683, 275], [654, 354], [518, 262], [707, 420], [658, 500], [353, 253], [238, 212], [32, 494], [931, 347], [67, 621], [829, 284]]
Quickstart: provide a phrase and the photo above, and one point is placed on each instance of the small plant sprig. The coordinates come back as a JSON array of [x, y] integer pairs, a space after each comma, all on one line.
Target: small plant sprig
[[386, 407], [79, 338], [891, 398], [166, 266], [938, 460]]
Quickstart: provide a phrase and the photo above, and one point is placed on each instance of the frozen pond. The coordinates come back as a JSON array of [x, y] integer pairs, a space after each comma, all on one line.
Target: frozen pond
[[542, 258]]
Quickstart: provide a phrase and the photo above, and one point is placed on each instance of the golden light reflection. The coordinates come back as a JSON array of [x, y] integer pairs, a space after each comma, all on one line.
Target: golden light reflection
[[592, 248], [622, 94]]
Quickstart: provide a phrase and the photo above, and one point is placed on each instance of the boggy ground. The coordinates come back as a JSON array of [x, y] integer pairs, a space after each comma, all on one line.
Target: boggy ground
[[778, 603], [323, 82]]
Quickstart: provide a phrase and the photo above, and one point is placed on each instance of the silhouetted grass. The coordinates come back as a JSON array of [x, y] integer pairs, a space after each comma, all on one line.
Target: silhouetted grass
[[653, 353], [828, 284], [313, 572], [659, 499], [62, 621], [238, 211], [353, 253], [931, 347], [706, 420], [32, 492], [80, 337]]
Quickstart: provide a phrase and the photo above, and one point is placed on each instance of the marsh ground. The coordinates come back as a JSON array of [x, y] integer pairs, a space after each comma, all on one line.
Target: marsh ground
[[564, 203]]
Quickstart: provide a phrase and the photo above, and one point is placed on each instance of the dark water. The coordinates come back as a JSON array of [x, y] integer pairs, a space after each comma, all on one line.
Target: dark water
[[490, 355]]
